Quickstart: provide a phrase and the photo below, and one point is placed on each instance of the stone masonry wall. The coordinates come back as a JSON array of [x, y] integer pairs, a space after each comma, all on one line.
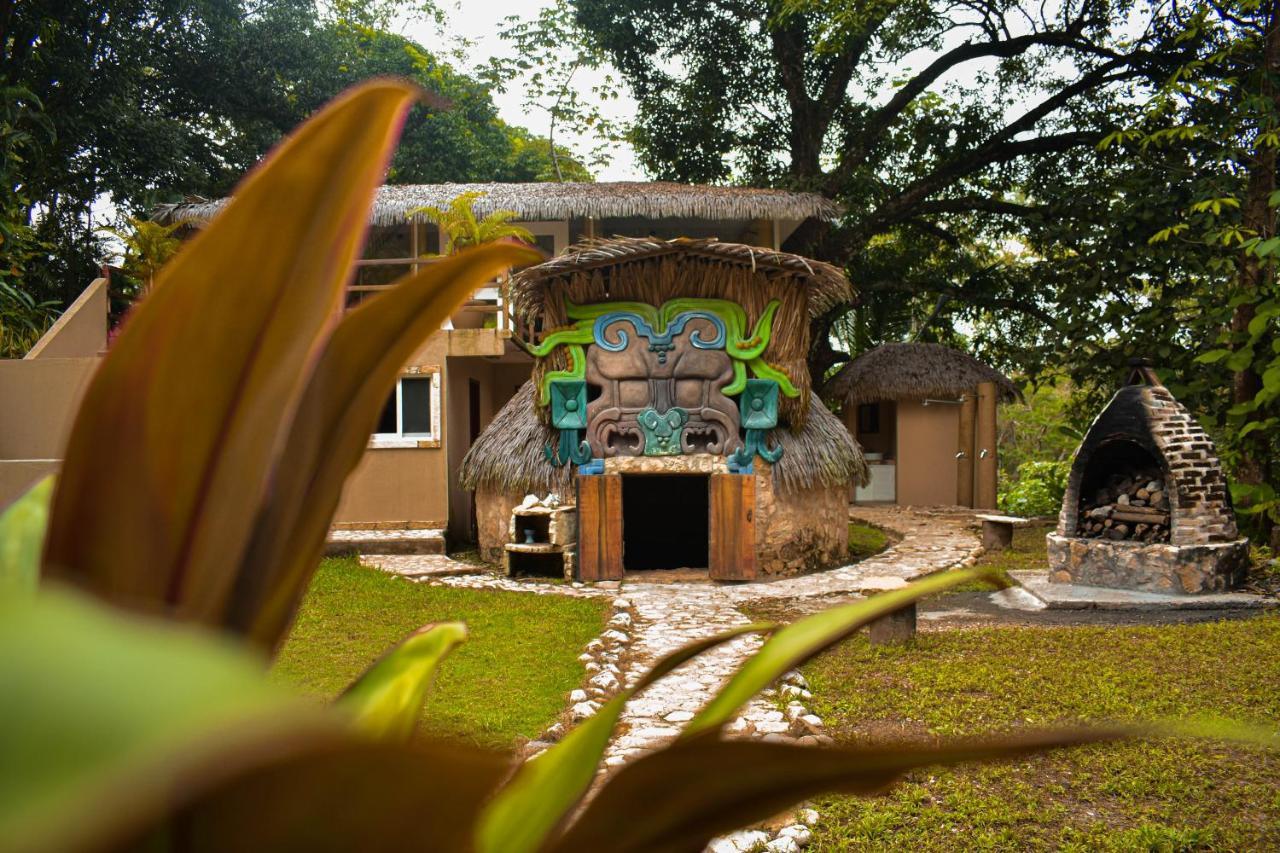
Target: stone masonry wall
[[493, 520], [1201, 507], [798, 532]]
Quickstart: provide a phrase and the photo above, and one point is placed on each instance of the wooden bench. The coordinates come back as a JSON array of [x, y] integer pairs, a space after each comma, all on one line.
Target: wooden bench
[[997, 530], [896, 627]]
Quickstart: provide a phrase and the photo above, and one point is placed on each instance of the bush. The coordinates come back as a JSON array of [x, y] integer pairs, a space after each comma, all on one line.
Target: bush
[[1038, 490]]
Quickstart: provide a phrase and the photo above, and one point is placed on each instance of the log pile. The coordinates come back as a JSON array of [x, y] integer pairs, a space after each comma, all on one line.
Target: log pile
[[1132, 506]]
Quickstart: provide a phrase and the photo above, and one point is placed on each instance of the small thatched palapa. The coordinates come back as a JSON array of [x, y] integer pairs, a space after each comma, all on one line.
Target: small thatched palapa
[[653, 271], [534, 201], [903, 371], [508, 456]]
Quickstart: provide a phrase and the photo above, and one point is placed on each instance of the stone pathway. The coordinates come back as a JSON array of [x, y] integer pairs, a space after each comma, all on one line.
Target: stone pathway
[[651, 619]]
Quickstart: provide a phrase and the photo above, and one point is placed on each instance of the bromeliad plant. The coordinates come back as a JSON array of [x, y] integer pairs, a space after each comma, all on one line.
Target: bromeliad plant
[[200, 478]]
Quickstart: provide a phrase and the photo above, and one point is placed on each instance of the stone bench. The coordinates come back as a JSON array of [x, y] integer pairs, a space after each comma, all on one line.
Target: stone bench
[[997, 530], [896, 627]]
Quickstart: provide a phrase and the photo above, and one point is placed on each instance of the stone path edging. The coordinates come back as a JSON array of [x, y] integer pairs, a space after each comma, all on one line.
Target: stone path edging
[[650, 619]]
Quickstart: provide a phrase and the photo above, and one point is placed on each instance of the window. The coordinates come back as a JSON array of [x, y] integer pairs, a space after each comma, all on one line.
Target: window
[[411, 415], [869, 418]]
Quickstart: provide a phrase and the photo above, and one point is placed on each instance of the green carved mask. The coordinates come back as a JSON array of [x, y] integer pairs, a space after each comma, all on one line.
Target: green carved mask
[[662, 432]]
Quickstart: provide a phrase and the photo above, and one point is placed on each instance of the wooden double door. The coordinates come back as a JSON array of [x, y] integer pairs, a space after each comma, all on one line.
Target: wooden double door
[[731, 552]]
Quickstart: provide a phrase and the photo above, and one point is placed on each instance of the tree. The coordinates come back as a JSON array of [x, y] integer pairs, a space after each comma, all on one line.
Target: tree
[[810, 94], [153, 100]]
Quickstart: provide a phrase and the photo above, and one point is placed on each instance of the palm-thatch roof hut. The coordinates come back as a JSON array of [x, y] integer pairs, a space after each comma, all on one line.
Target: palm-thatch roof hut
[[912, 371], [925, 413], [544, 201], [672, 374]]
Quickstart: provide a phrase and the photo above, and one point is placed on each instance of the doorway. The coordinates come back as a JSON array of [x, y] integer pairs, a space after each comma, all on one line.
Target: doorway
[[665, 521]]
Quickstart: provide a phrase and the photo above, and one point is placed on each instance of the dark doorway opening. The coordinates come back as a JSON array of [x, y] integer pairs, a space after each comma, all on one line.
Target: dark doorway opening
[[664, 521]]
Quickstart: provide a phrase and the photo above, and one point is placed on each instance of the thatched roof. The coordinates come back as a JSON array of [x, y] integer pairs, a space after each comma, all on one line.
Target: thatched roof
[[508, 455], [533, 201], [653, 271], [912, 372]]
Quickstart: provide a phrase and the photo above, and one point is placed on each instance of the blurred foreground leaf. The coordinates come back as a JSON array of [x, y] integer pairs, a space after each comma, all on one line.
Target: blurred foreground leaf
[[387, 699], [22, 528], [169, 457]]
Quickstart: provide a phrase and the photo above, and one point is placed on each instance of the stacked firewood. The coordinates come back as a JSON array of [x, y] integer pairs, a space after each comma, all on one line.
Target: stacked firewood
[[1133, 506]]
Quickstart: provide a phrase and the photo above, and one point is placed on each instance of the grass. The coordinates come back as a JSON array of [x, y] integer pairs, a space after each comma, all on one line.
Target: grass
[[866, 541], [506, 683], [1161, 795]]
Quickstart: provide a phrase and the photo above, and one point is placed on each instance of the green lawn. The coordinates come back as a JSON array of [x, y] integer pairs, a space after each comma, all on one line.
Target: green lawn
[[507, 682], [1161, 795], [865, 540]]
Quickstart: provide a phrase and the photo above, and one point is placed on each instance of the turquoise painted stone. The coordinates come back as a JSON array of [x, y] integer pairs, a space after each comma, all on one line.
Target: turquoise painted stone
[[569, 404], [662, 432], [759, 404]]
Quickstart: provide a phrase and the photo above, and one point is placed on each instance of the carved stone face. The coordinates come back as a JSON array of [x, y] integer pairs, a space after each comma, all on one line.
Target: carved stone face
[[644, 386]]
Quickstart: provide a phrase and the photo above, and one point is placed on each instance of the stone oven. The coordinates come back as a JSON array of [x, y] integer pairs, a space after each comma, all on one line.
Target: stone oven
[[670, 403], [1146, 504]]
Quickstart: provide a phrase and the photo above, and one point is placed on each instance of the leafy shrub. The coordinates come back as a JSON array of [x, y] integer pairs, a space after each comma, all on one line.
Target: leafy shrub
[[1038, 490]]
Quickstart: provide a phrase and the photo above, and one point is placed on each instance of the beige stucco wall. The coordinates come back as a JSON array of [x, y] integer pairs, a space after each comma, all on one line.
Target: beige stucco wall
[[81, 331], [403, 484], [38, 401], [926, 453]]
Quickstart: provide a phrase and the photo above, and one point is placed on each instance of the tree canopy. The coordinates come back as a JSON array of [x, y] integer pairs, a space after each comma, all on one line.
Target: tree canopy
[[151, 100]]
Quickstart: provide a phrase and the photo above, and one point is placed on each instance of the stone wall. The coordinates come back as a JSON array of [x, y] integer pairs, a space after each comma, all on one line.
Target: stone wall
[[493, 520], [798, 532], [1213, 567]]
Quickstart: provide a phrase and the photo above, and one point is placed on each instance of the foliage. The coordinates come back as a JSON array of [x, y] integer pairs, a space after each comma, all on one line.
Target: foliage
[[141, 101], [1047, 426], [22, 320], [1038, 490], [506, 683], [207, 519], [147, 247], [546, 55], [463, 230]]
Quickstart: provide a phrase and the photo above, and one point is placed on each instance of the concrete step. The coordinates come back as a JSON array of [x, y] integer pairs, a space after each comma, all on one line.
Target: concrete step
[[384, 542]]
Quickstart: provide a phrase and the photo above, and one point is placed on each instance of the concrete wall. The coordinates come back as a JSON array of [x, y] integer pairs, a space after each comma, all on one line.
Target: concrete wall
[[926, 453], [81, 331]]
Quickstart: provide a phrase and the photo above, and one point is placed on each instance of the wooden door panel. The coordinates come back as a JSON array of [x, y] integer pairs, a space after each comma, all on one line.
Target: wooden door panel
[[600, 527], [732, 546]]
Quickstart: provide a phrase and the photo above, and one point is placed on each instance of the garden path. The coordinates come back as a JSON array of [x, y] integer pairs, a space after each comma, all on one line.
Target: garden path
[[654, 618]]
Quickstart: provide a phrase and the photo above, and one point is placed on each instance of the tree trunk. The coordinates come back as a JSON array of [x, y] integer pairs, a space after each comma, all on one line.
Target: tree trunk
[[1257, 216]]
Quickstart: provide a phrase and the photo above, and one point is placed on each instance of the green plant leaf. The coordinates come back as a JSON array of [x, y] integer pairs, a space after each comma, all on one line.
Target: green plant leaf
[[338, 410], [1212, 356], [386, 700], [697, 789], [178, 428], [107, 716], [22, 527], [799, 641], [547, 788]]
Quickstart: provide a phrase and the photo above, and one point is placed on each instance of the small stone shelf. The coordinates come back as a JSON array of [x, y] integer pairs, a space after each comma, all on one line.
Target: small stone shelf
[[552, 553]]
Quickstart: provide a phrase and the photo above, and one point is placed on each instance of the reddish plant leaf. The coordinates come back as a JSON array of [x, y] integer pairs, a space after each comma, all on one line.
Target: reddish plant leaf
[[169, 456], [338, 411], [699, 788]]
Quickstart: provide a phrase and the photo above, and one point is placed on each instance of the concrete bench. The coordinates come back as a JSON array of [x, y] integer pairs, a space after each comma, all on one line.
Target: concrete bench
[[896, 627], [997, 530]]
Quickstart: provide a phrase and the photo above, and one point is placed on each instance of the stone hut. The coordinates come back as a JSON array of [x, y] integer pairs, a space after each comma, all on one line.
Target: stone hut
[[670, 403]]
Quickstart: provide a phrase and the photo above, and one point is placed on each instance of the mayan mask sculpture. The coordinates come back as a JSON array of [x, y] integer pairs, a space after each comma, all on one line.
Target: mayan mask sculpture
[[664, 377]]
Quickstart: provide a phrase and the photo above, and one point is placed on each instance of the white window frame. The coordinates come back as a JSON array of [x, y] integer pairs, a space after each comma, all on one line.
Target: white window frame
[[397, 439]]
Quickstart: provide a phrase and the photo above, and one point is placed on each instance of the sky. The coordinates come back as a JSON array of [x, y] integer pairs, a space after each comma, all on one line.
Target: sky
[[477, 22]]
